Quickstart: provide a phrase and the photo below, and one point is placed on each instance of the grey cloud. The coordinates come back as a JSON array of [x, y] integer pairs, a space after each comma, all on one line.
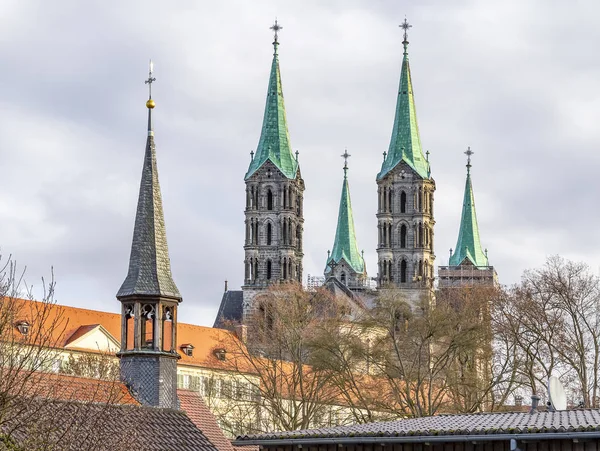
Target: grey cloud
[[512, 79]]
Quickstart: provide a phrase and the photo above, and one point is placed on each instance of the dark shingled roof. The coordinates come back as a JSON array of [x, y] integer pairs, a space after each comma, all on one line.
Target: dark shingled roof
[[149, 265], [231, 309], [86, 426], [454, 426]]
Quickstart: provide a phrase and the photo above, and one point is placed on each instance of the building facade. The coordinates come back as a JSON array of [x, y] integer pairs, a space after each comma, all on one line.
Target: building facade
[[405, 188]]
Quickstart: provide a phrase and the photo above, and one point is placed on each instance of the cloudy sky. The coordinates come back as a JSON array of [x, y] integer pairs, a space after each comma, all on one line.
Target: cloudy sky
[[517, 80]]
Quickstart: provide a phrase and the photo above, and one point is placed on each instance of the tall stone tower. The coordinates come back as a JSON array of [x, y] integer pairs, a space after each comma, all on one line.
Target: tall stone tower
[[345, 262], [405, 206], [274, 197], [149, 297], [469, 264]]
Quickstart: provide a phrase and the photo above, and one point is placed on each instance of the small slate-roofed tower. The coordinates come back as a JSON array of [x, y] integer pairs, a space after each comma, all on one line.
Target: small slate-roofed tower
[[149, 297], [405, 200], [274, 197], [346, 262], [469, 264]]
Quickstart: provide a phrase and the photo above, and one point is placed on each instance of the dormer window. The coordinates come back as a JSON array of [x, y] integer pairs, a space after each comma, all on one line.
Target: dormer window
[[220, 353], [23, 327], [188, 349]]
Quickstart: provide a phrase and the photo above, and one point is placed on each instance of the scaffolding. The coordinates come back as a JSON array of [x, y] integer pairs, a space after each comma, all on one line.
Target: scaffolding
[[466, 275]]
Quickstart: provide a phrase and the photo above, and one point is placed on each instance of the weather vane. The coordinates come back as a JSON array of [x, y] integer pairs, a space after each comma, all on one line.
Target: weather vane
[[405, 26], [276, 27], [468, 153], [150, 79], [345, 156]]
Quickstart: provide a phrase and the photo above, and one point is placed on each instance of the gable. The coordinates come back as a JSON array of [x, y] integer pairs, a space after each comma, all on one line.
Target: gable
[[94, 338]]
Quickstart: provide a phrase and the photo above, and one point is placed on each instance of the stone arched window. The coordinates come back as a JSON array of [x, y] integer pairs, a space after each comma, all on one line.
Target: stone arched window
[[269, 269], [269, 199], [403, 202], [403, 233], [343, 278], [269, 234], [403, 266]]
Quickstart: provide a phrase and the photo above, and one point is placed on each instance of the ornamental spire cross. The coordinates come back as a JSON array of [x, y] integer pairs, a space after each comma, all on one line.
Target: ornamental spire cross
[[405, 26], [276, 27], [150, 79], [468, 153], [345, 156]]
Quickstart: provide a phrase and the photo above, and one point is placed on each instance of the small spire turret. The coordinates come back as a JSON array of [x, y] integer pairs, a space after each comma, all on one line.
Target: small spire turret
[[345, 246], [468, 245]]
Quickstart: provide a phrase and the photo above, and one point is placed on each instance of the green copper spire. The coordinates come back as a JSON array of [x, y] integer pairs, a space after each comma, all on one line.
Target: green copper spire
[[405, 144], [345, 246], [274, 143], [468, 245]]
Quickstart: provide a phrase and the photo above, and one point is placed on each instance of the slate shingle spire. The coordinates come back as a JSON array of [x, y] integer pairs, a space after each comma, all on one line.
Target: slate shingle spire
[[468, 245], [345, 246], [405, 144], [149, 297], [149, 264], [274, 143]]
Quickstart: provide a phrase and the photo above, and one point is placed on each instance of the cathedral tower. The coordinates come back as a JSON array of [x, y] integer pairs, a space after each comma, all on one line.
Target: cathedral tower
[[149, 297], [274, 196], [405, 206], [345, 262], [469, 264]]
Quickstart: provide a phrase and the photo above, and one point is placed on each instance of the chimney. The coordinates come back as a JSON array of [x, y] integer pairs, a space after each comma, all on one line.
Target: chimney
[[535, 399], [225, 286], [241, 331]]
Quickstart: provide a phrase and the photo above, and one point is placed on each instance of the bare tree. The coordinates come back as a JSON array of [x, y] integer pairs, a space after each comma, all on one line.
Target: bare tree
[[277, 360], [33, 398]]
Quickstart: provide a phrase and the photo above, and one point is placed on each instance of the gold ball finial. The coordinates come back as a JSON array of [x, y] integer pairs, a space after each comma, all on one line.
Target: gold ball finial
[[150, 104]]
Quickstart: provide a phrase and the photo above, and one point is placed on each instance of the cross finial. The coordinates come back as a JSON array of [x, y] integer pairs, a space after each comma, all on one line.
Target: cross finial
[[251, 155], [384, 155], [427, 156], [331, 263], [276, 27], [150, 79], [297, 153], [405, 26], [468, 153], [345, 156]]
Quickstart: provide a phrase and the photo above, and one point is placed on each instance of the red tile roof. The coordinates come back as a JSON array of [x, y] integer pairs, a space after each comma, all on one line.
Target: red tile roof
[[201, 416], [73, 322]]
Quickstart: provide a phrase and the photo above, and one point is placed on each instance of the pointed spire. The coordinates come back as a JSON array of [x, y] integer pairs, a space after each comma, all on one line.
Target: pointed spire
[[405, 144], [468, 245], [345, 245], [274, 143], [149, 265]]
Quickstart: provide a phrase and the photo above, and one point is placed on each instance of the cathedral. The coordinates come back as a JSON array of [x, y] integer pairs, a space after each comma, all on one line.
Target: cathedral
[[274, 217]]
